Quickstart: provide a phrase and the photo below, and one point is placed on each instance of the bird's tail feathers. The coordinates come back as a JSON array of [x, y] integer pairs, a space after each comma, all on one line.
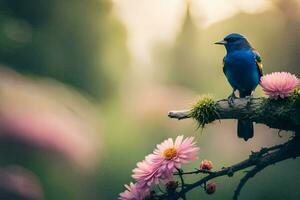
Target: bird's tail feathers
[[245, 129]]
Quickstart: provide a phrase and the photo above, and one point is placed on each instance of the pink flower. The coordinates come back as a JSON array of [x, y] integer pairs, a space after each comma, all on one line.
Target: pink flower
[[279, 84], [147, 173], [206, 165], [170, 155], [166, 158], [21, 182], [49, 117], [133, 192]]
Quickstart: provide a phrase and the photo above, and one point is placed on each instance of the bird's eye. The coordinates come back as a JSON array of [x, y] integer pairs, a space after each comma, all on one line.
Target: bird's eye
[[232, 39]]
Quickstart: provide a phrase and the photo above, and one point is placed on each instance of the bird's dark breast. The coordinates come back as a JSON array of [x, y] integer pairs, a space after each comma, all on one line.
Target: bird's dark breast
[[241, 71]]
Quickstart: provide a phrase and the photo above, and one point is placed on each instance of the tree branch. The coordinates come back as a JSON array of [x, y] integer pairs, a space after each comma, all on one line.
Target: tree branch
[[260, 160], [282, 114], [245, 179], [289, 150]]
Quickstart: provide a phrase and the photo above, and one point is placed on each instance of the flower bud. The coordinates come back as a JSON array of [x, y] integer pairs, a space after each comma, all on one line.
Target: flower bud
[[206, 165], [171, 186], [210, 188]]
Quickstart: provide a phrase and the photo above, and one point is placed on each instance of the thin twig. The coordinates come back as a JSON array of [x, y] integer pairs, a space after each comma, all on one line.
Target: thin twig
[[245, 179], [197, 171], [182, 182]]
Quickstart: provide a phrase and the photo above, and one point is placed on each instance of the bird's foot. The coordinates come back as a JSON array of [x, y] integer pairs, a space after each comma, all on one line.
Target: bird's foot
[[231, 100], [248, 99]]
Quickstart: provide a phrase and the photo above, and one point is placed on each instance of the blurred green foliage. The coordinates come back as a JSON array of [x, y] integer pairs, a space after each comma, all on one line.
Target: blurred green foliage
[[76, 42], [82, 44]]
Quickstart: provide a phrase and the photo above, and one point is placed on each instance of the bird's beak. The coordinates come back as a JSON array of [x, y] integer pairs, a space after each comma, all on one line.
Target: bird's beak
[[222, 42]]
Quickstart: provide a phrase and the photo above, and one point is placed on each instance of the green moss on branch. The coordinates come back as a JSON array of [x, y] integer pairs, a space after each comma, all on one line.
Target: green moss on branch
[[283, 114], [204, 111], [279, 113]]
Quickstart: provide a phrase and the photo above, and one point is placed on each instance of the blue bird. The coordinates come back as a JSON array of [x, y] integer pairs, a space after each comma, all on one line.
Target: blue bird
[[242, 67]]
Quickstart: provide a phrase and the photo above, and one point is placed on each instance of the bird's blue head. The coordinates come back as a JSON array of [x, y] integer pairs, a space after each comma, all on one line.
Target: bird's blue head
[[235, 41]]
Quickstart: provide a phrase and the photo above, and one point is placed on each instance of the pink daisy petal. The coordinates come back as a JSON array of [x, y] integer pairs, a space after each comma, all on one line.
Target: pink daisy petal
[[133, 192], [172, 154], [166, 158], [147, 173], [279, 84]]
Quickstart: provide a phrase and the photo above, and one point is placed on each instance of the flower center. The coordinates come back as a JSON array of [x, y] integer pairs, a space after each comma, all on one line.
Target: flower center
[[170, 153]]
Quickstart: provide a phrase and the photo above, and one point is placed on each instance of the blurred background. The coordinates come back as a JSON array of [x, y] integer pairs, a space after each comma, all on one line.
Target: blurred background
[[86, 86]]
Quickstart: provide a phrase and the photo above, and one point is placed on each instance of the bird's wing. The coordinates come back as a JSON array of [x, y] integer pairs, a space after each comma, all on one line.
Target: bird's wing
[[224, 65], [258, 62]]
